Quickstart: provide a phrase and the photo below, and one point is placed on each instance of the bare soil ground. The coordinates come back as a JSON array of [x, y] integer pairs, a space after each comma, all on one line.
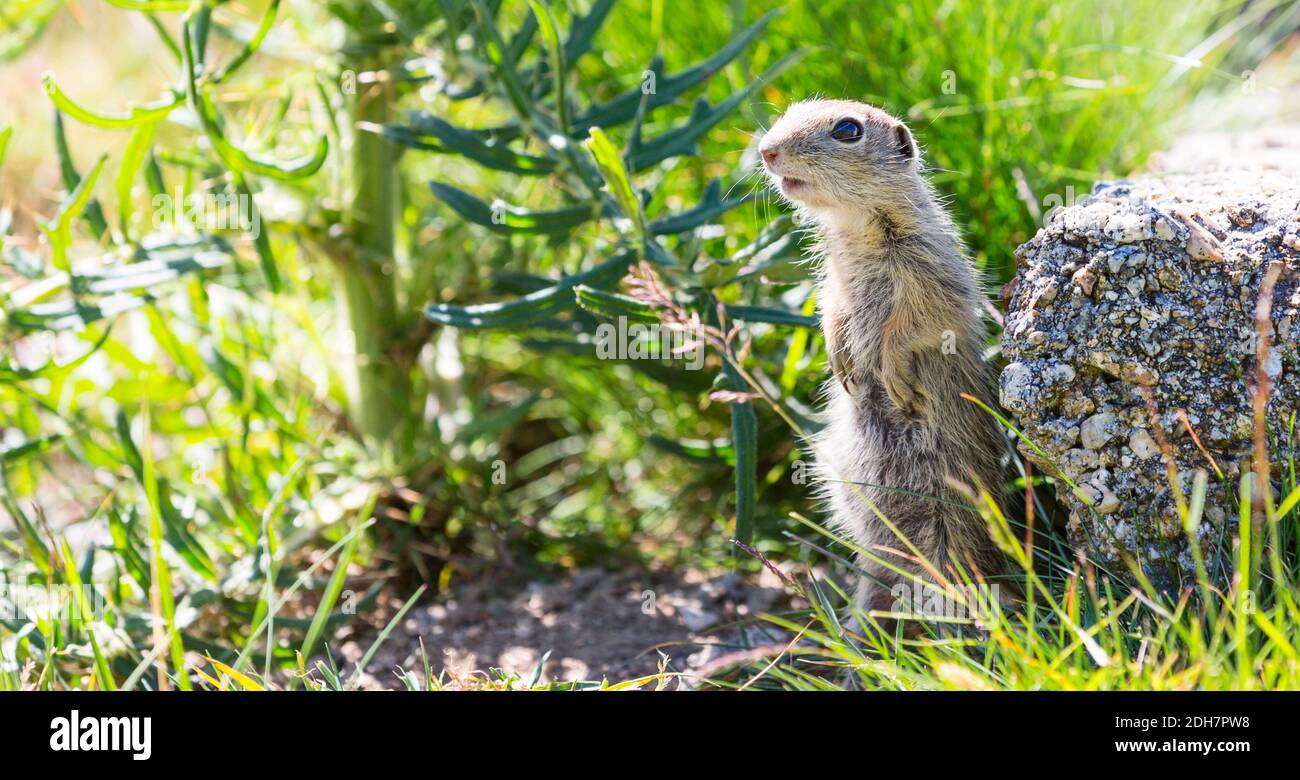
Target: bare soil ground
[[595, 624]]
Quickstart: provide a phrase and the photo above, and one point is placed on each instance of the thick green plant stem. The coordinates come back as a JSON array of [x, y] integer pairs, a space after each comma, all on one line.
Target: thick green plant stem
[[378, 378]]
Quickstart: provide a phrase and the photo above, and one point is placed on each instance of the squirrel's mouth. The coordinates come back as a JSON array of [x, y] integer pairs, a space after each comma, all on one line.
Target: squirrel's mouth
[[791, 185]]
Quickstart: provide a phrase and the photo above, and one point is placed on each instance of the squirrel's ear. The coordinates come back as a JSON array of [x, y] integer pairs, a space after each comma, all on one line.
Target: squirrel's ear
[[905, 146]]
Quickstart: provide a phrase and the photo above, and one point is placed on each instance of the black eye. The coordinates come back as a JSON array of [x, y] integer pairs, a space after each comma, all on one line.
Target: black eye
[[847, 130]]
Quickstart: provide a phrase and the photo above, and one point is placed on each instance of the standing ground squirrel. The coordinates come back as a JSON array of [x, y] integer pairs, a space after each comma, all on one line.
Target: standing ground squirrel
[[900, 315]]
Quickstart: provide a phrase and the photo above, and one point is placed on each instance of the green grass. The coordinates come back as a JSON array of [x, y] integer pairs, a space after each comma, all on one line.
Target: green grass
[[1076, 627], [209, 459]]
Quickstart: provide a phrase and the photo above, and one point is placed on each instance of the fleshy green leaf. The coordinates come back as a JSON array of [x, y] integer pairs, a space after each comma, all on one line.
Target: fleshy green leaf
[[772, 315], [744, 441], [613, 305], [500, 218], [153, 112], [254, 43], [500, 57], [530, 308], [137, 149], [5, 135], [232, 155], [668, 373], [668, 88], [617, 181], [551, 37], [11, 455], [717, 451], [433, 134], [703, 117], [71, 178], [710, 207], [59, 229]]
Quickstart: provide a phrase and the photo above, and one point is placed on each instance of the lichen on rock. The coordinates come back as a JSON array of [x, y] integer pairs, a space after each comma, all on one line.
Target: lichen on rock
[[1137, 306]]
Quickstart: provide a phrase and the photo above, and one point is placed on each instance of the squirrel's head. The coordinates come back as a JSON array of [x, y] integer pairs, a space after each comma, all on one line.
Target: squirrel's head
[[840, 156]]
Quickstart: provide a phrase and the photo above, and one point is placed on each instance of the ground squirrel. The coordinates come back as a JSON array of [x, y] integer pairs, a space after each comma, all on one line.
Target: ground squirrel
[[900, 312]]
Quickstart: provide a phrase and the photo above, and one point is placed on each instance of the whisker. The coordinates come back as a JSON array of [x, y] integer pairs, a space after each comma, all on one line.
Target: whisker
[[739, 182]]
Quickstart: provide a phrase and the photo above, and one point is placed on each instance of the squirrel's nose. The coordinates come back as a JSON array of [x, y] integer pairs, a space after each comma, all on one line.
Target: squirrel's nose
[[770, 155]]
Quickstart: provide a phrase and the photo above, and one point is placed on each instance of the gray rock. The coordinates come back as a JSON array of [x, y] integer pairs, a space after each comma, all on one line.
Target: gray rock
[[1098, 429], [1158, 281], [1142, 445], [697, 619]]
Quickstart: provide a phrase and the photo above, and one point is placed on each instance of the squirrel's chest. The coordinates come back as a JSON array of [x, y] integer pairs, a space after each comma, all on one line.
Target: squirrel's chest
[[854, 311]]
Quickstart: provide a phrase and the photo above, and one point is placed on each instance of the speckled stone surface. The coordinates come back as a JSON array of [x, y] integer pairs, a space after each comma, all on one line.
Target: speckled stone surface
[[1153, 283]]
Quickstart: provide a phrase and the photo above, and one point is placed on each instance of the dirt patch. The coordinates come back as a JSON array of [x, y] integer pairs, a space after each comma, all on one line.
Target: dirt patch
[[595, 625]]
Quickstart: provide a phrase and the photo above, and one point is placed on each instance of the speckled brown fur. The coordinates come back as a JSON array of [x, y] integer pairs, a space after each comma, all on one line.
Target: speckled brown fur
[[900, 306]]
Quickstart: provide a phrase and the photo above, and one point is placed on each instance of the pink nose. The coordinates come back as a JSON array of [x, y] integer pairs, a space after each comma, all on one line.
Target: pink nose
[[770, 155]]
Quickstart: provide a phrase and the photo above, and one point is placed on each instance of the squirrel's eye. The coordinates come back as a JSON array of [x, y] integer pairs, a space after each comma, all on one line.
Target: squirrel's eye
[[847, 130]]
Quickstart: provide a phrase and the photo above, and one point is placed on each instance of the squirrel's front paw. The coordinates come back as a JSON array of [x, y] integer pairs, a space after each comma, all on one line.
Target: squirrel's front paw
[[902, 388]]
